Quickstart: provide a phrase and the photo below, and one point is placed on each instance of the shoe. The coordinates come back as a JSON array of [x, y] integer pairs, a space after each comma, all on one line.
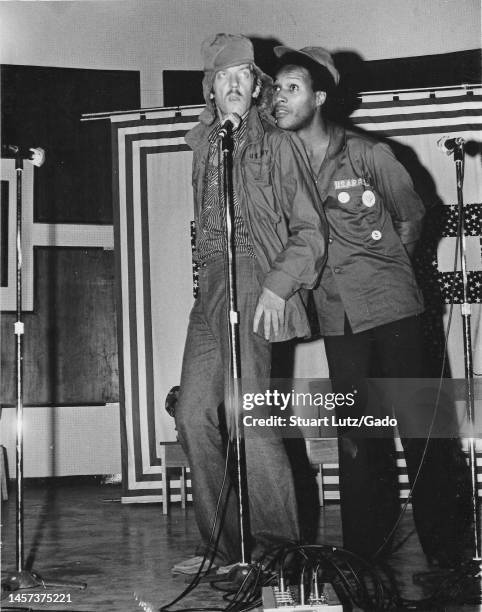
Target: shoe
[[229, 578], [192, 566], [225, 569]]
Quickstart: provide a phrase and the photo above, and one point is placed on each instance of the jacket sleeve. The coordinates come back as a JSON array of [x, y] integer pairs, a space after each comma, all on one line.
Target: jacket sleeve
[[396, 187], [299, 264]]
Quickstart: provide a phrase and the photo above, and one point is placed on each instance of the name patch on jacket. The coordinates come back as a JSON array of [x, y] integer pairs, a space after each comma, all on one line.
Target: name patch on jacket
[[352, 182], [258, 155]]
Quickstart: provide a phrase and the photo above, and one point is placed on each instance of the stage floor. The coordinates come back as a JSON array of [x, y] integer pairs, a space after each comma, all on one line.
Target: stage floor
[[81, 532]]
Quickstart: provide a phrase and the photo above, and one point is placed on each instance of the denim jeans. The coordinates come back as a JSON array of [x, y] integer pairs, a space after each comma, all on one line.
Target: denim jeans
[[205, 370]]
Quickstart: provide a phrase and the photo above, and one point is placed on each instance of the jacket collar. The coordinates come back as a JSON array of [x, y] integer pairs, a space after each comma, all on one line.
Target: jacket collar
[[337, 142], [337, 136]]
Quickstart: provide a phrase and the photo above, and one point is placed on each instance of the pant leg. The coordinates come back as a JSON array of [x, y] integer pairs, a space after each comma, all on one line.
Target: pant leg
[[304, 474], [201, 393], [441, 496], [271, 491], [367, 466]]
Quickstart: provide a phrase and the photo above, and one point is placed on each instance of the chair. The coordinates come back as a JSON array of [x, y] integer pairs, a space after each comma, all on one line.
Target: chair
[[172, 456], [320, 451]]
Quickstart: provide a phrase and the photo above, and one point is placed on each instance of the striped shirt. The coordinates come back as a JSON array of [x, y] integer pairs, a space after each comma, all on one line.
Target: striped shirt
[[211, 235]]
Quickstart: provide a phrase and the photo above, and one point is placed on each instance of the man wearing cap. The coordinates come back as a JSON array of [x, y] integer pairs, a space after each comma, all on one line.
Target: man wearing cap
[[279, 239], [369, 306]]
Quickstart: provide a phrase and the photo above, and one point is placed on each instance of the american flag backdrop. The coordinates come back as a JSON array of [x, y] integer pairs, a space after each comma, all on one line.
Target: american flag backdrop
[[153, 214]]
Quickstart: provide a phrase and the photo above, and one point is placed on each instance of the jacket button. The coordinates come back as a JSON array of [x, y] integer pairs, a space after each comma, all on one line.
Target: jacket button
[[376, 234], [330, 239]]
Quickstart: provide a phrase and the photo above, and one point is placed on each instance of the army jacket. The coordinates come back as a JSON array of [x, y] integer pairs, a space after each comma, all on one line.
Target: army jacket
[[372, 211], [281, 211]]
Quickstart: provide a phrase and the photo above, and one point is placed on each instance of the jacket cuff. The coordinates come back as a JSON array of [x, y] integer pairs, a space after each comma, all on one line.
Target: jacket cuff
[[280, 283]]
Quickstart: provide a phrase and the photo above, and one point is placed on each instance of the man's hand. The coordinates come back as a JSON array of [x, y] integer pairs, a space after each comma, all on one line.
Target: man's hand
[[273, 308]]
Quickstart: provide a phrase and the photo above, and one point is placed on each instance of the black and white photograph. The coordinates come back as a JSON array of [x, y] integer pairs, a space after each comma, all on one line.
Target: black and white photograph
[[241, 305]]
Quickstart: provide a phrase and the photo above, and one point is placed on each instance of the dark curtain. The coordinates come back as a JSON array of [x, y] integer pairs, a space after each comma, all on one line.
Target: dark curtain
[[42, 107]]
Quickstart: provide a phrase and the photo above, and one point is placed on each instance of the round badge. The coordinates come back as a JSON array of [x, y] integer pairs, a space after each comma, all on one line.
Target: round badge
[[368, 198], [343, 197], [376, 234]]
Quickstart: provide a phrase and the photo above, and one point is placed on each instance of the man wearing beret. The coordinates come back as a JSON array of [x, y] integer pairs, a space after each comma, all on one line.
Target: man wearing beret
[[279, 238], [369, 306]]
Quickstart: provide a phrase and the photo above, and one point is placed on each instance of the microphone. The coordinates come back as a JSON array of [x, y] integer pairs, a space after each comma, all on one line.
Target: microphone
[[36, 156], [448, 145], [229, 125]]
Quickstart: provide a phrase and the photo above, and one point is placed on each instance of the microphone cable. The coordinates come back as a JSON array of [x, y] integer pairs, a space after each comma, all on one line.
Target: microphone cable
[[435, 412], [197, 577]]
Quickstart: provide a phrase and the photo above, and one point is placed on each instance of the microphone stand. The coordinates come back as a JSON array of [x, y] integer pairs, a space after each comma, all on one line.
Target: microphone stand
[[469, 371], [468, 579], [23, 578], [234, 382]]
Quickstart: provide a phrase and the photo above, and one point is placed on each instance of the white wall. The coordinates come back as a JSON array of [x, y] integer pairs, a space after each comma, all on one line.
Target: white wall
[[64, 440], [153, 35]]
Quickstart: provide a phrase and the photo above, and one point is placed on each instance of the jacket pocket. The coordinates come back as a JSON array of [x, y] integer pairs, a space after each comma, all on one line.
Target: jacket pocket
[[355, 213], [262, 198]]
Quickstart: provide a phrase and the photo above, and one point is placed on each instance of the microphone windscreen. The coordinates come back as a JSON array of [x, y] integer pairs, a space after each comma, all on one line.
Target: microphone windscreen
[[234, 119]]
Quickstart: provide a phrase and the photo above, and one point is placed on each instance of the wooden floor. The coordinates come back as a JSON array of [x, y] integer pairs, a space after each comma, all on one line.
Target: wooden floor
[[81, 532]]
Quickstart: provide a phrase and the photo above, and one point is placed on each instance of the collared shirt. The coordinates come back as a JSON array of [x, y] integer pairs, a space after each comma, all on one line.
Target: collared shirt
[[211, 241], [372, 210]]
